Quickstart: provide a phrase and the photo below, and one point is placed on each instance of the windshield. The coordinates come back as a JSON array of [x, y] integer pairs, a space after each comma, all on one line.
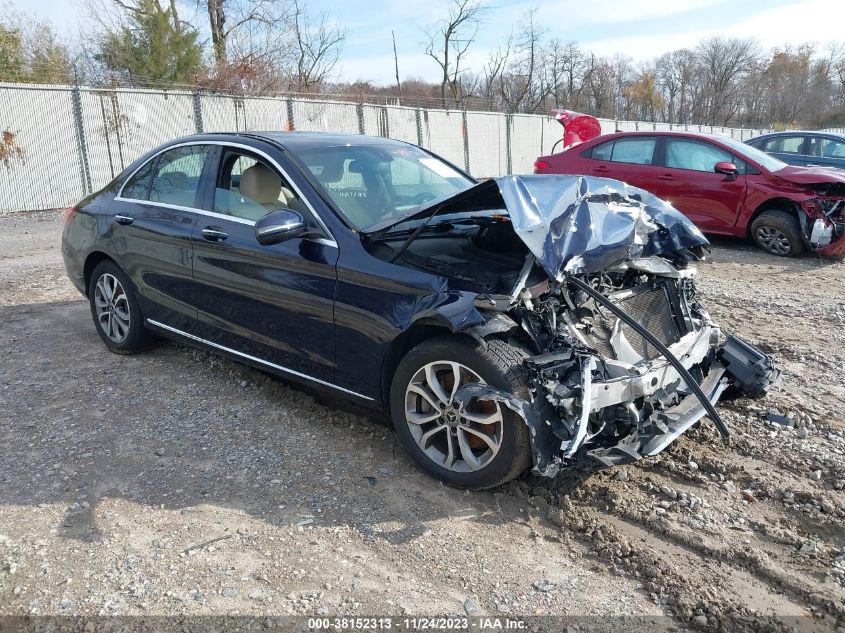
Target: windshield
[[373, 183], [769, 162]]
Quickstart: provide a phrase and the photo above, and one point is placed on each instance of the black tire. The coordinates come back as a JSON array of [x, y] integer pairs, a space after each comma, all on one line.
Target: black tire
[[499, 365], [135, 337], [777, 232]]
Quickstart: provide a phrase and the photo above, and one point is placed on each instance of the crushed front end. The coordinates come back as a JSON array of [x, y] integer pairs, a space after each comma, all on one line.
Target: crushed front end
[[625, 358], [602, 393]]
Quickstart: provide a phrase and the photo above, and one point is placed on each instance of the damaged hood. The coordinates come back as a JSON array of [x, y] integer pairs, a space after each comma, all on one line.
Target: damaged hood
[[811, 175], [573, 224], [581, 224]]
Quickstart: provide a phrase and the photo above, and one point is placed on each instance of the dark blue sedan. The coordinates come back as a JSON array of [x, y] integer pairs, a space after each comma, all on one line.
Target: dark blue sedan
[[810, 149], [545, 321]]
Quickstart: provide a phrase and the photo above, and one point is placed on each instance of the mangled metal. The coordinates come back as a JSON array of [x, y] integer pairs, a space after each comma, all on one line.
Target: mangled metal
[[580, 224], [594, 281]]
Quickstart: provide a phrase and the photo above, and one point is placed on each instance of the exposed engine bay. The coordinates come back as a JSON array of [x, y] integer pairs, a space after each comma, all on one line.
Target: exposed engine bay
[[594, 282]]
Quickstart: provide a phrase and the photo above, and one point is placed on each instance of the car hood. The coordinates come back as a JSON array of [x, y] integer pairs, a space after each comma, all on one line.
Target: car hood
[[810, 175], [575, 224]]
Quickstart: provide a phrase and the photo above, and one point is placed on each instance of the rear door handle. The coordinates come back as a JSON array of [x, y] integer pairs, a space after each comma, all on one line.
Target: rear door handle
[[666, 177], [124, 219], [214, 235], [602, 168]]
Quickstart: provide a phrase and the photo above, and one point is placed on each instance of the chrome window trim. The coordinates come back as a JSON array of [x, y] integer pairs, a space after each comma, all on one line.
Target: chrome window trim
[[255, 358], [330, 241]]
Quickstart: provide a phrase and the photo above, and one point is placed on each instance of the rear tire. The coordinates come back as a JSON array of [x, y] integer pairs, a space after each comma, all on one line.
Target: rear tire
[[483, 454], [115, 310], [777, 232]]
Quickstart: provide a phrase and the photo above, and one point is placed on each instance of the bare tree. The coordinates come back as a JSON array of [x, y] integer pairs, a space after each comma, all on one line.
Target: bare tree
[[317, 47], [722, 62], [523, 86], [449, 40], [225, 17]]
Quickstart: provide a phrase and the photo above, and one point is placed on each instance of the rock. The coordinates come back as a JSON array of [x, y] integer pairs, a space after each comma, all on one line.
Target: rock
[[159, 452], [692, 466], [544, 585], [470, 606], [256, 594], [700, 620], [748, 495], [816, 475], [229, 592], [729, 486], [384, 471], [503, 608]]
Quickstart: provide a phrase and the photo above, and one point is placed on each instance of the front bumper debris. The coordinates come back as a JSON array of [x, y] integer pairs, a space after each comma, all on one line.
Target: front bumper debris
[[558, 445]]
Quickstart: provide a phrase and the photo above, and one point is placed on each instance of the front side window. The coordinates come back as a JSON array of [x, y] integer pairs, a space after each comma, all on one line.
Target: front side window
[[828, 148], [695, 155], [248, 188], [372, 183], [637, 151]]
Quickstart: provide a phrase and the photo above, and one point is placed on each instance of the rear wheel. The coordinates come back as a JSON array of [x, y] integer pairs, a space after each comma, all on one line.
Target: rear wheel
[[778, 233], [115, 310], [471, 444]]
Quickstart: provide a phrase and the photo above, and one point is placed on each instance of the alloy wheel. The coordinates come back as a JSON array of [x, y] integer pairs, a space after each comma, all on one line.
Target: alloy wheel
[[112, 308], [456, 435], [773, 240]]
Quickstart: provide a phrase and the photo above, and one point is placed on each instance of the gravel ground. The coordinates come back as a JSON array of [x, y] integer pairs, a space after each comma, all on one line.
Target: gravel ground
[[178, 483]]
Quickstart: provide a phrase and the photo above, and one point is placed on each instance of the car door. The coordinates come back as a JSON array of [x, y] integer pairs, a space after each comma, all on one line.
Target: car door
[[792, 149], [630, 159], [826, 151], [688, 182], [152, 223], [271, 303]]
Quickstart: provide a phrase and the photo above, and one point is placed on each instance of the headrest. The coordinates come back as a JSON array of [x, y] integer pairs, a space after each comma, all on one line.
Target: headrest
[[332, 170], [261, 184]]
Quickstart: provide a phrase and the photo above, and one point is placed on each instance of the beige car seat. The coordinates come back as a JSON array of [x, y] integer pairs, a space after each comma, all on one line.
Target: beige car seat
[[262, 185]]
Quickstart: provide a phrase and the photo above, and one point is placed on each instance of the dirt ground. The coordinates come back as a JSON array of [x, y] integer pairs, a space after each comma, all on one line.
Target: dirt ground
[[178, 483]]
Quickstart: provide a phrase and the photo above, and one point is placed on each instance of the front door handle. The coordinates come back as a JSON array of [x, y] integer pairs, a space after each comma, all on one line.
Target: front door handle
[[666, 177], [214, 235], [124, 219]]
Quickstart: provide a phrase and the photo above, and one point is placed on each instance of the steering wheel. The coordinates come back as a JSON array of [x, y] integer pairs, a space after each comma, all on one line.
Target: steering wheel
[[420, 198]]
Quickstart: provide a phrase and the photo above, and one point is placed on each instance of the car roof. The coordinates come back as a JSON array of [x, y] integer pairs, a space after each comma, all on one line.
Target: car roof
[[293, 141], [801, 133]]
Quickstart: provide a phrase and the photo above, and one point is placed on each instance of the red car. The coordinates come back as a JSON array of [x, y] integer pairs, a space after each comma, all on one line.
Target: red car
[[724, 186]]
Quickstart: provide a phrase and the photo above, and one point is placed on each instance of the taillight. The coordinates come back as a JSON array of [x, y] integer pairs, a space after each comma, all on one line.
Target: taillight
[[541, 166], [68, 213]]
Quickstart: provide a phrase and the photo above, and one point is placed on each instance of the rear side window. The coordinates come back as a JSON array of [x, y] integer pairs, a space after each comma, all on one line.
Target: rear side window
[[177, 175], [172, 177], [638, 151], [138, 187], [784, 145]]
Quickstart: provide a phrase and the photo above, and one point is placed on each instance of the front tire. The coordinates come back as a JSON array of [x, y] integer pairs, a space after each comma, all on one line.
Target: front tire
[[115, 310], [476, 444], [777, 232]]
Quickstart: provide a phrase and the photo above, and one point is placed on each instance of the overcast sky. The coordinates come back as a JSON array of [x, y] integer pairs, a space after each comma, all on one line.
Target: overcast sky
[[641, 29]]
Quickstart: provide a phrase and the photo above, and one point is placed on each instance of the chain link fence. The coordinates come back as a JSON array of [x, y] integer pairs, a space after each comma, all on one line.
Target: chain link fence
[[59, 143]]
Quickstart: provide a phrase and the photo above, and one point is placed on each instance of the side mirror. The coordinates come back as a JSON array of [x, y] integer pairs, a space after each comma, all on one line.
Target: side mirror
[[726, 168], [278, 226]]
